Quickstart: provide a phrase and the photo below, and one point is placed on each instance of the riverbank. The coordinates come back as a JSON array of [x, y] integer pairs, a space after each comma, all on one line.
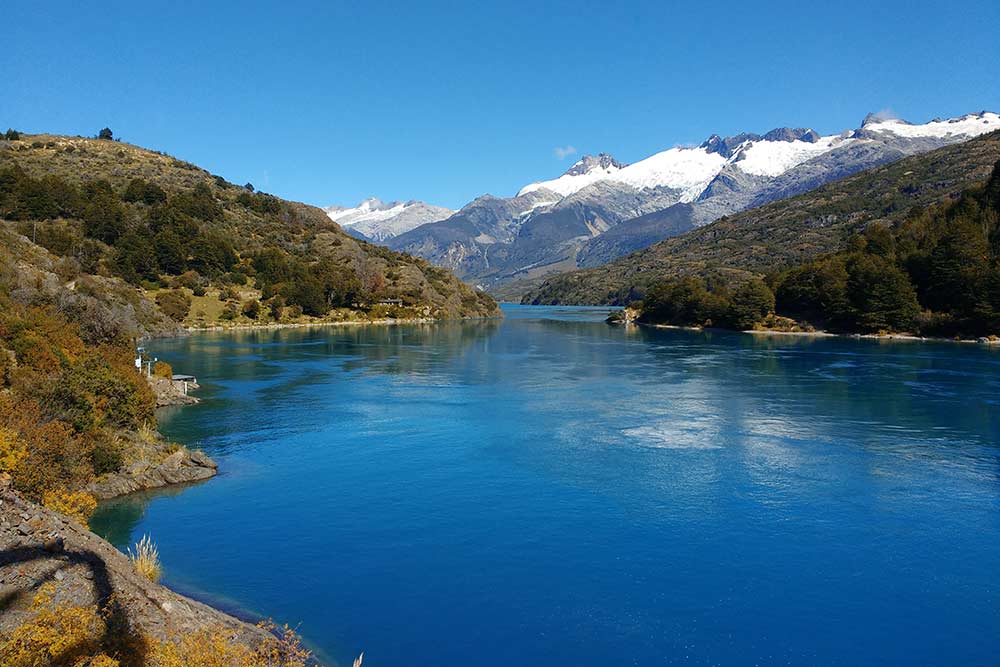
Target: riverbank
[[45, 553], [302, 325], [827, 334]]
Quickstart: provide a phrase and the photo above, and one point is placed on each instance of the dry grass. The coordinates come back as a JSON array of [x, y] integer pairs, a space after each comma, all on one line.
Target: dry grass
[[146, 558]]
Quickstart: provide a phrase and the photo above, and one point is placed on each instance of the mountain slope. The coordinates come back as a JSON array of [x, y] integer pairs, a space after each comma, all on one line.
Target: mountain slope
[[600, 209], [116, 210], [377, 221], [783, 232]]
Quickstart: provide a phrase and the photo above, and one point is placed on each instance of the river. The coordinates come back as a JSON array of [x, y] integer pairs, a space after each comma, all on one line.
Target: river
[[551, 490]]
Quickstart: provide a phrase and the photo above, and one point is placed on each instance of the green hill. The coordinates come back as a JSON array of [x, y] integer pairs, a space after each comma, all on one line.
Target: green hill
[[223, 253], [784, 233]]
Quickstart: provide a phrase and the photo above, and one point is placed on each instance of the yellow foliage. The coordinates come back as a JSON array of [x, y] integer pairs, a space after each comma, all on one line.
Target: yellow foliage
[[66, 635], [77, 504], [216, 647], [146, 558], [163, 369], [101, 661], [59, 635], [12, 449]]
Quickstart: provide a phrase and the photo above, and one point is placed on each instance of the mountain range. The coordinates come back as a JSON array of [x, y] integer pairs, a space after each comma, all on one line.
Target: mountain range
[[601, 209], [375, 220], [771, 238]]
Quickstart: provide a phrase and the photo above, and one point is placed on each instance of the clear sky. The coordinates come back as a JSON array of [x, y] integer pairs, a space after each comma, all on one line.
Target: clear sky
[[332, 102]]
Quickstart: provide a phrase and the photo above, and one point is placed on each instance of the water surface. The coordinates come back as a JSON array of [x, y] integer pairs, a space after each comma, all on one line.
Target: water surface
[[552, 490]]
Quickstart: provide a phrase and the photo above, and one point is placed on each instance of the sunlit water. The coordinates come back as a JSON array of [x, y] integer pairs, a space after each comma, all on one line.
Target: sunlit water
[[550, 490]]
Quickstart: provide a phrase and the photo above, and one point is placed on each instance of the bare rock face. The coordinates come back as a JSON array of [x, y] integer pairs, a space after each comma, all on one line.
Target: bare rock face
[[171, 392], [159, 468], [38, 546]]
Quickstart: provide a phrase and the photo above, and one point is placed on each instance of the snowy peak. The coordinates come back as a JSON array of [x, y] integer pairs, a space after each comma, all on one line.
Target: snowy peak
[[379, 221], [589, 163], [792, 134], [587, 170], [685, 170], [953, 129]]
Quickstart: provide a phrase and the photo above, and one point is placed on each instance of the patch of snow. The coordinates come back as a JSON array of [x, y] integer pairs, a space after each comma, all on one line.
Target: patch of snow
[[689, 170], [970, 125], [567, 184], [773, 158], [370, 210]]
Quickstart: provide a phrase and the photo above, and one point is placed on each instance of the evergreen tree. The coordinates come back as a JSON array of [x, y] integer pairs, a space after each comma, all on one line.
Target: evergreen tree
[[881, 296], [750, 304]]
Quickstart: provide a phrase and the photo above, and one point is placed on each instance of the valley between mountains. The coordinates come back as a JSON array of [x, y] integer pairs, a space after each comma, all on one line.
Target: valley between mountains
[[602, 209]]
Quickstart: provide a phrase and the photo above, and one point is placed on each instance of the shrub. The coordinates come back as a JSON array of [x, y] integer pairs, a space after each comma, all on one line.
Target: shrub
[[230, 312], [216, 647], [106, 134], [252, 309], [12, 450], [57, 635], [175, 304], [146, 558], [163, 369], [229, 294], [76, 504]]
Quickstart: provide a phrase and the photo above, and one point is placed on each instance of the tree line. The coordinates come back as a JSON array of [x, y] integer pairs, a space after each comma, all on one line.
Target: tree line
[[935, 273], [145, 235]]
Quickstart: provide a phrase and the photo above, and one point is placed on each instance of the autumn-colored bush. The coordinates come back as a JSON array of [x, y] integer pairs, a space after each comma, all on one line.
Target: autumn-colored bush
[[62, 403], [77, 504], [58, 635], [216, 647], [163, 369]]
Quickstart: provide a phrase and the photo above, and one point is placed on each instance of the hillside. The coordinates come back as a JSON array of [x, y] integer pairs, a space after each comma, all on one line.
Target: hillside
[[786, 232], [113, 210]]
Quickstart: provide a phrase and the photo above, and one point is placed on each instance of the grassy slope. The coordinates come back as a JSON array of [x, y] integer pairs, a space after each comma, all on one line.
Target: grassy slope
[[785, 232], [299, 228]]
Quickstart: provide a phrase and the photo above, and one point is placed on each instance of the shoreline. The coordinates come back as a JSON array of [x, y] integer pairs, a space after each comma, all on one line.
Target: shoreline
[[303, 325], [331, 323], [828, 334]]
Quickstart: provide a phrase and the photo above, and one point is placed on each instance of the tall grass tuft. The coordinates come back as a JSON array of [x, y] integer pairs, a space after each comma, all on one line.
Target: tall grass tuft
[[146, 558]]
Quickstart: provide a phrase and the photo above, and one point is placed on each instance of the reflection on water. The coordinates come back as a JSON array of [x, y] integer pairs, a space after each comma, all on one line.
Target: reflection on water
[[548, 488]]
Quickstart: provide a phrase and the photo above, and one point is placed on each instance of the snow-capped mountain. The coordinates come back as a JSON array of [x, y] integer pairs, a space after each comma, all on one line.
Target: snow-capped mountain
[[378, 221], [601, 208]]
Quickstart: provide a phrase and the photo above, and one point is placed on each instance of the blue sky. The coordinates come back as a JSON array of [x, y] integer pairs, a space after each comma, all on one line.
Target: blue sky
[[332, 102]]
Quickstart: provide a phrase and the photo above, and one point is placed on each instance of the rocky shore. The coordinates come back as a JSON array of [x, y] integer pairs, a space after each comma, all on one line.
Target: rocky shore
[[38, 546], [162, 464]]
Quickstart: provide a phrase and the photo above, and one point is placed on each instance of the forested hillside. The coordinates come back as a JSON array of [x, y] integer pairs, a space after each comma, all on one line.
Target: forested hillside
[[206, 249], [103, 243], [935, 272]]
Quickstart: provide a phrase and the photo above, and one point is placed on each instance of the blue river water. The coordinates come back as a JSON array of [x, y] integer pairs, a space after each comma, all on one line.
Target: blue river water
[[551, 490]]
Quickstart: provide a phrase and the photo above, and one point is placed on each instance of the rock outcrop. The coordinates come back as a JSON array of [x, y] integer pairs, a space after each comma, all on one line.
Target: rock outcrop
[[159, 467]]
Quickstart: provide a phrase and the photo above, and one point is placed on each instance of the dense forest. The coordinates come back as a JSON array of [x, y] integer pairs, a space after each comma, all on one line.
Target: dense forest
[[936, 272]]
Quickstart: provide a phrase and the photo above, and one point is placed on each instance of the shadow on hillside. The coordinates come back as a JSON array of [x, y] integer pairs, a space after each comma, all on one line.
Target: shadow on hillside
[[119, 638]]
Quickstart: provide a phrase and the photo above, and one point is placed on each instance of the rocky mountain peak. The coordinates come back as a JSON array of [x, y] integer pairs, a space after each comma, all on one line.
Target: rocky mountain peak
[[730, 145], [589, 163], [881, 117], [792, 134]]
